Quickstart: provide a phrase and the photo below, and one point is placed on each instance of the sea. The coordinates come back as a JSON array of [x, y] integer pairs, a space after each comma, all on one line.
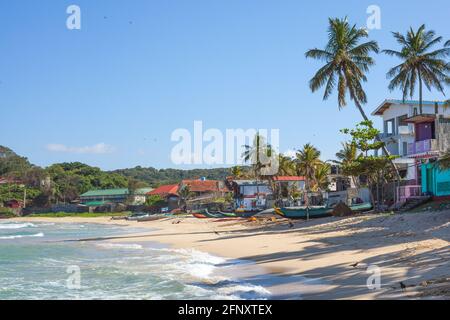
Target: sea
[[47, 261]]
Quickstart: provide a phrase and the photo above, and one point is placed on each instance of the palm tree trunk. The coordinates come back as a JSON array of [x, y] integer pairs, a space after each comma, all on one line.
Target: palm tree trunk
[[385, 150], [420, 94]]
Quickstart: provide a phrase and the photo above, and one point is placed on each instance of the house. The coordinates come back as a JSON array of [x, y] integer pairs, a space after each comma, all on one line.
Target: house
[[96, 198], [251, 194], [140, 195], [205, 188], [168, 193], [435, 182], [416, 138], [285, 184]]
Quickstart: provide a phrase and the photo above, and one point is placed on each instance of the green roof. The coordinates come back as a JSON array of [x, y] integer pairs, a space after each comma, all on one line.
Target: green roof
[[106, 192], [95, 203]]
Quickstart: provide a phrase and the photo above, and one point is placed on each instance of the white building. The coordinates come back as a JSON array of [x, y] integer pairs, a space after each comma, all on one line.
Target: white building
[[413, 136]]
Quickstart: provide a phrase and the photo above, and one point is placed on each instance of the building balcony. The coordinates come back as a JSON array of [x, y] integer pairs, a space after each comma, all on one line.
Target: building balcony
[[424, 146], [405, 130]]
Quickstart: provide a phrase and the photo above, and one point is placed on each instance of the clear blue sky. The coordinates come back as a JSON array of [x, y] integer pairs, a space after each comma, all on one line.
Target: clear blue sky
[[139, 69]]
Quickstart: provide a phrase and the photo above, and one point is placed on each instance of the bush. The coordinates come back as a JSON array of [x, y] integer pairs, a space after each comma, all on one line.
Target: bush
[[6, 213]]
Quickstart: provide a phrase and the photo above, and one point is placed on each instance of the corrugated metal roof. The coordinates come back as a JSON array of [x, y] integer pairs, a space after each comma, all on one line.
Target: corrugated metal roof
[[106, 192]]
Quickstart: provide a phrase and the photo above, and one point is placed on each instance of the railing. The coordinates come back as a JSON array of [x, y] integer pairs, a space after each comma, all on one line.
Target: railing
[[407, 192], [422, 146]]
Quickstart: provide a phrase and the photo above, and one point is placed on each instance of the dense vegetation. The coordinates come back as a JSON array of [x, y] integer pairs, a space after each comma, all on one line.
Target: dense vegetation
[[64, 182], [155, 177]]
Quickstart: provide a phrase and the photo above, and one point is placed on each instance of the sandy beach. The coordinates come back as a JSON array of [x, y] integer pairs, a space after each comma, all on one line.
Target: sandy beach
[[320, 259]]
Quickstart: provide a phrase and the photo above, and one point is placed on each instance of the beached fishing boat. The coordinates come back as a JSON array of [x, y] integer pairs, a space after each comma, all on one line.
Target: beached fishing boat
[[362, 207], [304, 213], [150, 218], [199, 215], [135, 217]]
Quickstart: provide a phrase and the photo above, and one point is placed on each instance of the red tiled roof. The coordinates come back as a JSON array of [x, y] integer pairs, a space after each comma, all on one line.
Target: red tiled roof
[[164, 190], [202, 185], [288, 178]]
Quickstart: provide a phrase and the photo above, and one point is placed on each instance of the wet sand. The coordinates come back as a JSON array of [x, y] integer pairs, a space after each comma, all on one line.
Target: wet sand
[[320, 259]]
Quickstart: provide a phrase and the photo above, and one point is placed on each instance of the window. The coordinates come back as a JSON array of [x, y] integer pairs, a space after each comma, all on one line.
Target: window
[[389, 127], [405, 149], [401, 120]]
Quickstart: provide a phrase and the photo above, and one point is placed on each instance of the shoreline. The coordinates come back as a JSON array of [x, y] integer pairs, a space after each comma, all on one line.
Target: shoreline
[[316, 259]]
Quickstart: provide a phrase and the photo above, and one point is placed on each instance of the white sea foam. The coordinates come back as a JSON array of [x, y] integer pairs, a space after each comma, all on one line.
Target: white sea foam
[[120, 246], [245, 290], [37, 235], [16, 225]]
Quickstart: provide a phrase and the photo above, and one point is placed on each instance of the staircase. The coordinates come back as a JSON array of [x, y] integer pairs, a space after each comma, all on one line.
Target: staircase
[[411, 204]]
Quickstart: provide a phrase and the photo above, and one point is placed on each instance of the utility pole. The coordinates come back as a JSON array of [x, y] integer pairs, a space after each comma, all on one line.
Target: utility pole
[[24, 197]]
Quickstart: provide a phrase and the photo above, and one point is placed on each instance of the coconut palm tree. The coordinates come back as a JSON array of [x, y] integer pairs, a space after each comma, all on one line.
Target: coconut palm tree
[[347, 156], [321, 176], [257, 154], [347, 60], [286, 166], [307, 160], [185, 194], [420, 66]]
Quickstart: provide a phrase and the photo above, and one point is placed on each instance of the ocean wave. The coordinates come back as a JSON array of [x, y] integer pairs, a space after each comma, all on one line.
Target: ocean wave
[[16, 225], [245, 291], [120, 246], [18, 236]]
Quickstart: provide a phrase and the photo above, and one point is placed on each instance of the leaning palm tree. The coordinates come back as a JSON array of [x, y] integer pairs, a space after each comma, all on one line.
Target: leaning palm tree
[[420, 66], [347, 60]]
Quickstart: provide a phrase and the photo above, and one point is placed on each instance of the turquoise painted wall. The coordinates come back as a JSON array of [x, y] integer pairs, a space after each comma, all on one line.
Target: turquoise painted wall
[[435, 181]]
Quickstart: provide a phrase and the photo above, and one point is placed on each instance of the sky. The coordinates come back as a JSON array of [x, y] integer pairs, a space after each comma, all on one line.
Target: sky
[[112, 93]]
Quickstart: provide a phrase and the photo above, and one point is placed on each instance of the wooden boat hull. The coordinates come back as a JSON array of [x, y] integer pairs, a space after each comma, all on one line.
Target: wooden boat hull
[[363, 207], [199, 215], [150, 218], [303, 213]]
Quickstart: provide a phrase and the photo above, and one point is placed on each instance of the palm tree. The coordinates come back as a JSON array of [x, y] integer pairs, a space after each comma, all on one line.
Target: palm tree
[[185, 194], [321, 176], [286, 166], [257, 154], [419, 64], [347, 156], [347, 61], [307, 161], [236, 171]]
